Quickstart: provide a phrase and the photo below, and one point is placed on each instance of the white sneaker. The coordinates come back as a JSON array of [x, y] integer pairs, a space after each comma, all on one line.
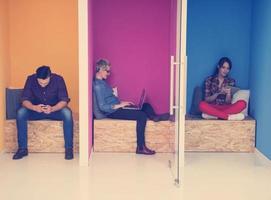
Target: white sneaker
[[206, 116], [238, 116]]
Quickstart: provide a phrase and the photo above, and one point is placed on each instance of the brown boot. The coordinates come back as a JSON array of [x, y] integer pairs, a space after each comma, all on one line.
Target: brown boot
[[161, 117]]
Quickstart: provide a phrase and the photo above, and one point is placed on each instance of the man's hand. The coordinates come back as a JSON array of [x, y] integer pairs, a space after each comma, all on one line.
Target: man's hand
[[47, 109], [38, 108], [115, 91], [123, 104], [126, 103]]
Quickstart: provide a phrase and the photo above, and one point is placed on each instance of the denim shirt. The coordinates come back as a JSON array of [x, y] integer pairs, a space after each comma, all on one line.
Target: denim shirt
[[105, 97]]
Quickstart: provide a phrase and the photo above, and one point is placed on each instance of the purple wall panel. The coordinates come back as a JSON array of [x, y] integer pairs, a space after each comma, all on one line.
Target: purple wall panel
[[136, 36], [173, 28]]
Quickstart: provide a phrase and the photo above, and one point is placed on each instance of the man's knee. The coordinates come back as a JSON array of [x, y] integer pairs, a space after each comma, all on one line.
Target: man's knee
[[146, 105], [66, 113], [22, 113], [142, 116]]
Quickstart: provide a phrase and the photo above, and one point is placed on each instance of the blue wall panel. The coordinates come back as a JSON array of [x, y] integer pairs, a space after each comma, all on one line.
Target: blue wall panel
[[217, 28], [260, 74]]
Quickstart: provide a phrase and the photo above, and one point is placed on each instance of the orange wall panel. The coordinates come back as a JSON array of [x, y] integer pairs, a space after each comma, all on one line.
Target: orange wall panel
[[4, 63], [44, 32]]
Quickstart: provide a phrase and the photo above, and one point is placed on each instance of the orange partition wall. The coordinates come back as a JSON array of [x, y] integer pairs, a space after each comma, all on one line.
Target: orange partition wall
[[4, 62], [44, 32]]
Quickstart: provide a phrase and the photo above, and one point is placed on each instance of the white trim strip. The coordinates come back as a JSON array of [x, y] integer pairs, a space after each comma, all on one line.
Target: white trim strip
[[83, 82]]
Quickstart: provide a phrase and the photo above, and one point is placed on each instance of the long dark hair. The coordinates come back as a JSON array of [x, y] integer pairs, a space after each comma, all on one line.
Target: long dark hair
[[220, 64]]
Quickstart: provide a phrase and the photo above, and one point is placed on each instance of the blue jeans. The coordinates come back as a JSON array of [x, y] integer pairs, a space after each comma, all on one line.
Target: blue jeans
[[24, 114]]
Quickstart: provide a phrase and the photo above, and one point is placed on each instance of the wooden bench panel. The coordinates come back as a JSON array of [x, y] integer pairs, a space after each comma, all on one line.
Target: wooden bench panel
[[200, 135], [219, 135], [120, 135], [43, 136]]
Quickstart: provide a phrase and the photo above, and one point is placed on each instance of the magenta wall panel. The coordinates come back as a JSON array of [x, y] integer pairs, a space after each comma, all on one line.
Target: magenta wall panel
[[137, 36]]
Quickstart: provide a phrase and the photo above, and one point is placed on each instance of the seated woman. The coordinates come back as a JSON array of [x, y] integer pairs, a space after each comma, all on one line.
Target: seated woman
[[218, 95], [111, 106]]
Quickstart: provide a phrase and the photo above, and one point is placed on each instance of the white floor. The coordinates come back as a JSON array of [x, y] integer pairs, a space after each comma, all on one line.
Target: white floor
[[210, 176]]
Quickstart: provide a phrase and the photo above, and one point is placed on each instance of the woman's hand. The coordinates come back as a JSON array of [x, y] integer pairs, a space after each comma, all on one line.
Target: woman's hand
[[213, 97], [226, 90]]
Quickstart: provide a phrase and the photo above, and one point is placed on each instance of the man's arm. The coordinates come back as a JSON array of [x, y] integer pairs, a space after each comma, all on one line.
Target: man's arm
[[60, 105], [62, 96], [103, 106], [38, 108], [62, 91], [27, 94], [49, 109]]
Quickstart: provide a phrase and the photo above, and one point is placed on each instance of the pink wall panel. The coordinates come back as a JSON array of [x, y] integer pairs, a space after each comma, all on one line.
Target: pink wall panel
[[173, 28], [136, 36]]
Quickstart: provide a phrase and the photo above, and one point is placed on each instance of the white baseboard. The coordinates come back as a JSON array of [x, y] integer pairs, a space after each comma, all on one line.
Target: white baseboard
[[262, 156]]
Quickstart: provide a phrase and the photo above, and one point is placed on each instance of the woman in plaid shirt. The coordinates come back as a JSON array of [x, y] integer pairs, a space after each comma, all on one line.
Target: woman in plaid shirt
[[218, 95]]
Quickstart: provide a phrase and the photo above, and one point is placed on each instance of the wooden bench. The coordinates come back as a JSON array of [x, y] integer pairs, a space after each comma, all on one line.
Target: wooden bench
[[43, 136], [200, 135], [120, 135], [219, 135]]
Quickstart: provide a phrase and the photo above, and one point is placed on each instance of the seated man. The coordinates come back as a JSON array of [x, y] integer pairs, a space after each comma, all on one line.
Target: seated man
[[113, 108], [44, 97]]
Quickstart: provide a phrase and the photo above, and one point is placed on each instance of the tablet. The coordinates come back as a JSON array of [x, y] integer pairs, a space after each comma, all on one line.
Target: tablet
[[234, 89]]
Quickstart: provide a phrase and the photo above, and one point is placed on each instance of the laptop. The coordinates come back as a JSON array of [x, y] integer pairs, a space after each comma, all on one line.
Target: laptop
[[140, 103]]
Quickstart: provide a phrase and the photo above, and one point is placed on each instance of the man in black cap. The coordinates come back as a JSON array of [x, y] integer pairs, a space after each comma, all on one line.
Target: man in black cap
[[44, 96]]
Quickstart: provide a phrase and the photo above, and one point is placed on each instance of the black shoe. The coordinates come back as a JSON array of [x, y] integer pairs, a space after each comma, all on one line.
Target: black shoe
[[69, 154], [161, 117], [20, 154], [144, 150]]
